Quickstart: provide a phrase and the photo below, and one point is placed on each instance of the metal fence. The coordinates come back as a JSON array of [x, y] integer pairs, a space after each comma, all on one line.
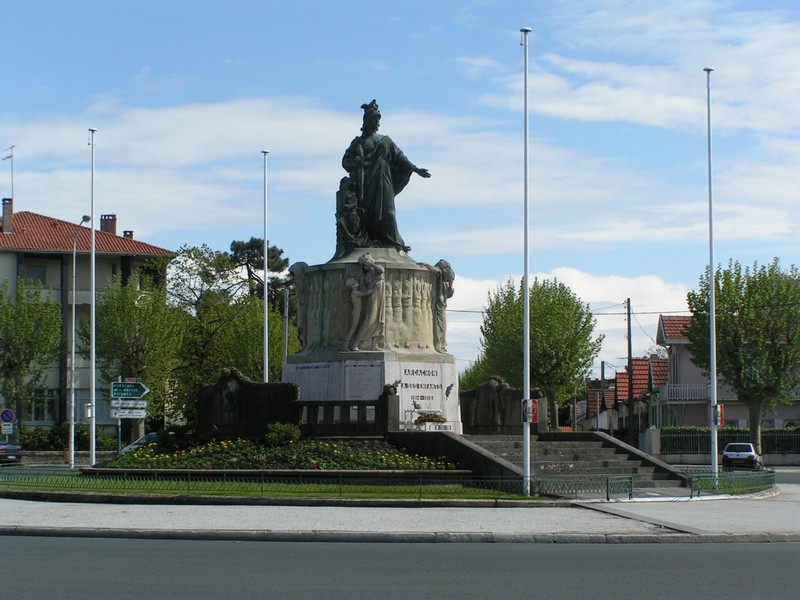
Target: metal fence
[[339, 485], [729, 481], [699, 442], [357, 485], [365, 485], [607, 487]]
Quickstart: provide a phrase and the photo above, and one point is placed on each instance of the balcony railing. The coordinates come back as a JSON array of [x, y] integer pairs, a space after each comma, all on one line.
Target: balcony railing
[[696, 393]]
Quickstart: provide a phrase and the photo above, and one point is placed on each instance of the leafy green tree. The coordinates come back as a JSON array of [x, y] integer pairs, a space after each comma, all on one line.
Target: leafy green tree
[[757, 334], [562, 347], [246, 339], [139, 335], [250, 256], [30, 340], [230, 333], [195, 272], [221, 293]]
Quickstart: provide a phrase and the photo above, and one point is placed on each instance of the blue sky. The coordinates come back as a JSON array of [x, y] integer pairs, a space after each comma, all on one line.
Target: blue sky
[[186, 94]]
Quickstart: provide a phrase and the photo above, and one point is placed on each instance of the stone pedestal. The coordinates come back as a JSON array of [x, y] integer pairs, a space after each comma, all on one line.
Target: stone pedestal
[[370, 322]]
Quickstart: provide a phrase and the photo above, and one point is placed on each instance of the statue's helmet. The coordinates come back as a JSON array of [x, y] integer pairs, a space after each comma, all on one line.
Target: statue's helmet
[[371, 112]]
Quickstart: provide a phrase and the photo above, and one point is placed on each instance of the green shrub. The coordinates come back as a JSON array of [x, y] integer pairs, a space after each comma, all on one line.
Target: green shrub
[[42, 438], [281, 434], [34, 438]]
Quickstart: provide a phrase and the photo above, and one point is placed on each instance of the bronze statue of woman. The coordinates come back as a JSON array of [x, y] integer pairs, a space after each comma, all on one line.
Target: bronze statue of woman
[[379, 170]]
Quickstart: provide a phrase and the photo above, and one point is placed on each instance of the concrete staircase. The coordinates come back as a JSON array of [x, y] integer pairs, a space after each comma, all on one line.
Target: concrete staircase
[[567, 455]]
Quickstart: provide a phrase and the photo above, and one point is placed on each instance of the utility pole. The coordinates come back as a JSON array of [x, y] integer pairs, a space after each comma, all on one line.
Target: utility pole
[[602, 394], [631, 405]]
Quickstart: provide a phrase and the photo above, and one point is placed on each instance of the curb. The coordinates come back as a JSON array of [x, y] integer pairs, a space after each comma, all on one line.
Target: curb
[[400, 536], [194, 500]]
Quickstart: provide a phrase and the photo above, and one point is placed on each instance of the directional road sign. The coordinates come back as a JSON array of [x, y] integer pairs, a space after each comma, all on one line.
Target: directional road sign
[[128, 389], [128, 403], [128, 413]]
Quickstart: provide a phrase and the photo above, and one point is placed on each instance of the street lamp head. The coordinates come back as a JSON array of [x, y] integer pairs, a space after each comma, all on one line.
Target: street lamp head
[[708, 69], [265, 152], [525, 30], [85, 219], [92, 129]]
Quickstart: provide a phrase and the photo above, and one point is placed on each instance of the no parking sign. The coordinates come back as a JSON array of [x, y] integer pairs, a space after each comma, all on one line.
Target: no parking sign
[[7, 422]]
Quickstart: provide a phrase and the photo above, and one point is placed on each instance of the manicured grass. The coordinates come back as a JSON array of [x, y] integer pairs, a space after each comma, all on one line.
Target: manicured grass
[[457, 488]]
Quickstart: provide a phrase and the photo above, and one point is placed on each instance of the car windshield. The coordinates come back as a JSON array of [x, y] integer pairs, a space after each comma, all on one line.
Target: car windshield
[[738, 448]]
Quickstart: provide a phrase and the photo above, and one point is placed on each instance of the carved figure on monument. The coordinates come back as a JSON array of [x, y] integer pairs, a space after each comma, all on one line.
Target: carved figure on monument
[[370, 331], [355, 312], [298, 270], [350, 230], [444, 290], [378, 171]]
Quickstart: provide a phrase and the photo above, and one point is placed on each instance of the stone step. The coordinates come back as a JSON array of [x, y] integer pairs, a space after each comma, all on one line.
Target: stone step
[[588, 471], [570, 458]]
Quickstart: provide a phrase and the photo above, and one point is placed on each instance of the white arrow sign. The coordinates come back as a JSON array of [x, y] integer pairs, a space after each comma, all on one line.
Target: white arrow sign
[[127, 413], [127, 403]]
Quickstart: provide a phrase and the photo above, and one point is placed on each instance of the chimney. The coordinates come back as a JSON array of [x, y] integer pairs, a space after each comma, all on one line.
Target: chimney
[[8, 215], [108, 223], [127, 234]]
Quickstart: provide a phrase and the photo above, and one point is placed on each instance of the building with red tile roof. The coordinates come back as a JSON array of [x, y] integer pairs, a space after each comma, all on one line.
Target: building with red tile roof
[[684, 399], [40, 248]]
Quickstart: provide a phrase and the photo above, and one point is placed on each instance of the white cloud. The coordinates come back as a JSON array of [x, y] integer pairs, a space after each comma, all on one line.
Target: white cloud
[[649, 61], [606, 294]]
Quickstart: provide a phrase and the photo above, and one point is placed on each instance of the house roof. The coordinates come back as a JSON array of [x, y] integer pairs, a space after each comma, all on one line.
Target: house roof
[[641, 377], [32, 232], [605, 398], [672, 330]]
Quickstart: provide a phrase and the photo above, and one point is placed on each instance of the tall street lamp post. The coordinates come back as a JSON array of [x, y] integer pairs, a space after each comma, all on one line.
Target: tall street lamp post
[[93, 320], [266, 278], [712, 284], [84, 219], [526, 297]]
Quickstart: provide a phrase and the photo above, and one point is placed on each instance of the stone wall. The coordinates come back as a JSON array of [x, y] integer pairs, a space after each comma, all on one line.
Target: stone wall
[[495, 408], [236, 406]]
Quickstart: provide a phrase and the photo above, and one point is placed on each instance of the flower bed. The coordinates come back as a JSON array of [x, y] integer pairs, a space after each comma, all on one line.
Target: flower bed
[[301, 454]]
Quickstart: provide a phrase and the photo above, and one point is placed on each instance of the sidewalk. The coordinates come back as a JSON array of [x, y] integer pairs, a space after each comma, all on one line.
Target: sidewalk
[[773, 516]]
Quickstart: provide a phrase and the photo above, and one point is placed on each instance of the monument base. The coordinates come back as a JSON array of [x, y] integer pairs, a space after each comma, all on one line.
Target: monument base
[[425, 382], [372, 318]]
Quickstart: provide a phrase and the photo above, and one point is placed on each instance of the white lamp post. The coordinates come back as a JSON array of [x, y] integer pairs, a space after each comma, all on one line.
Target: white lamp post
[[712, 284], [526, 298], [266, 278], [93, 319], [84, 219]]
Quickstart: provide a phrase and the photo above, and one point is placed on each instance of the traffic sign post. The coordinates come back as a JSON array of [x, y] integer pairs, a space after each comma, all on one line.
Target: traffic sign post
[[128, 413], [128, 389], [7, 419], [127, 403]]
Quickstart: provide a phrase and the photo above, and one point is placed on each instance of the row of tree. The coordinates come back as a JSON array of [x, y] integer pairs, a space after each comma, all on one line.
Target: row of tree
[[757, 338], [173, 333], [563, 346], [177, 336], [757, 327]]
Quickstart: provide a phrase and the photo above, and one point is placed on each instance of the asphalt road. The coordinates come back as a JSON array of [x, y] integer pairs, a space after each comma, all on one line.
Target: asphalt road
[[103, 569]]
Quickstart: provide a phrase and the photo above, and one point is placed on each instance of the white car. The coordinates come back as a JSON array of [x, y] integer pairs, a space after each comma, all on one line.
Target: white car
[[147, 438], [740, 454]]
